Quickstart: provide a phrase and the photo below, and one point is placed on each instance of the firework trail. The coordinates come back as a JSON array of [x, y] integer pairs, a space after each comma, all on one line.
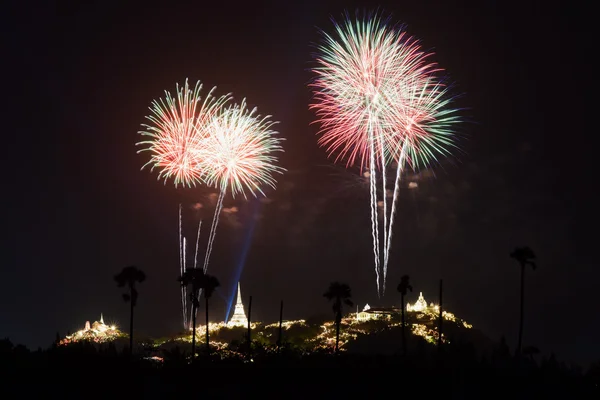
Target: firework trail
[[183, 291], [213, 228], [379, 103], [399, 170], [184, 257], [197, 243], [196, 254], [374, 219], [238, 153]]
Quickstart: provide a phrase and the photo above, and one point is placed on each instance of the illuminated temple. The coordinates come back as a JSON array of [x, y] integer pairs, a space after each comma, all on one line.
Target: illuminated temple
[[421, 305], [369, 313], [98, 332], [239, 315]]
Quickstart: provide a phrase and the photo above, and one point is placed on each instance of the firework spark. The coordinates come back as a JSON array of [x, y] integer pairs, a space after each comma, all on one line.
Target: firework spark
[[239, 151], [379, 103], [177, 123], [181, 271]]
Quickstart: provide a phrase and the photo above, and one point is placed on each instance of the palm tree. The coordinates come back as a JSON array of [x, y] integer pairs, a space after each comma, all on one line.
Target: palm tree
[[193, 277], [403, 287], [524, 256], [340, 294], [209, 284], [128, 277]]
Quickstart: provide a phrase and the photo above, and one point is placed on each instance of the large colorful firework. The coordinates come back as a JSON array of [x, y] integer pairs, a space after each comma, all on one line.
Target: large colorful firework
[[379, 103], [194, 141]]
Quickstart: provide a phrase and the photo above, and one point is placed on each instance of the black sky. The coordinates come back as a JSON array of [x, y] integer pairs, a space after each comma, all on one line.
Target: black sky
[[78, 79]]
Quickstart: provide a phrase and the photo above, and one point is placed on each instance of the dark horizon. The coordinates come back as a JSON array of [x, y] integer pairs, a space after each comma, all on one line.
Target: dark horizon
[[78, 209]]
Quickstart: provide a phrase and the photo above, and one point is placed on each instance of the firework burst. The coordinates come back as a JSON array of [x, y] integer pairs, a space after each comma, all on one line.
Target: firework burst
[[239, 151], [177, 123], [378, 101], [364, 75]]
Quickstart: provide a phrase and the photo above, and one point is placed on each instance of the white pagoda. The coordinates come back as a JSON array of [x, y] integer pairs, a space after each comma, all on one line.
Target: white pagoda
[[419, 306], [239, 315]]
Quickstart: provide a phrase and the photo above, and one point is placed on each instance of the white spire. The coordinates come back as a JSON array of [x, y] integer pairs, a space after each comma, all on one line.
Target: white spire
[[239, 316], [419, 306], [101, 319]]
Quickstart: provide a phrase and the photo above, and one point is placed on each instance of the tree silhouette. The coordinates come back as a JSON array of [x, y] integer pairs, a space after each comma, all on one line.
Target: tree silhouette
[[193, 277], [524, 256], [129, 276], [209, 284], [531, 352], [340, 294], [403, 287]]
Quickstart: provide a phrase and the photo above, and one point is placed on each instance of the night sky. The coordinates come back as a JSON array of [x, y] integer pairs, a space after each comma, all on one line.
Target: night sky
[[79, 77]]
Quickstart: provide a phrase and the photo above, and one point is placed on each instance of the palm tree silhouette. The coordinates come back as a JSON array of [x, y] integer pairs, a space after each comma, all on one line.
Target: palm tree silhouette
[[403, 287], [340, 293], [193, 277], [524, 256], [128, 277], [209, 284]]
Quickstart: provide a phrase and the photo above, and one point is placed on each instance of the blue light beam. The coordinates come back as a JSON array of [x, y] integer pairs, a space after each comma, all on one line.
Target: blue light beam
[[242, 261]]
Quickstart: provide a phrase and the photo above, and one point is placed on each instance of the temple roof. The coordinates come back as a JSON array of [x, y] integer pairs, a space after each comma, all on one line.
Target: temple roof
[[369, 309]]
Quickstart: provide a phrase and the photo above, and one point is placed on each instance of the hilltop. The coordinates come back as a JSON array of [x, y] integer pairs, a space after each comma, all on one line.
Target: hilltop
[[370, 331]]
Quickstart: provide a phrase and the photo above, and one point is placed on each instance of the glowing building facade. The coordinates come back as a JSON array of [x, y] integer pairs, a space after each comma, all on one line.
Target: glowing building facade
[[364, 315], [369, 313], [419, 306], [239, 315], [97, 332]]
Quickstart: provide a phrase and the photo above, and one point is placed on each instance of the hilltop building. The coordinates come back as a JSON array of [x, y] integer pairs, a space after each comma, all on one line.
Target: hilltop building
[[369, 313], [98, 332], [421, 305], [239, 315]]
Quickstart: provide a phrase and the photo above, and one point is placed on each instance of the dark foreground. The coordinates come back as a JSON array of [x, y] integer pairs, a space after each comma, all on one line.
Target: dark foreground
[[85, 371]]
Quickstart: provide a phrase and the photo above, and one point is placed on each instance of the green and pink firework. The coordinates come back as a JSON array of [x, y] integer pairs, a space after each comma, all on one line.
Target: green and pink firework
[[380, 102]]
